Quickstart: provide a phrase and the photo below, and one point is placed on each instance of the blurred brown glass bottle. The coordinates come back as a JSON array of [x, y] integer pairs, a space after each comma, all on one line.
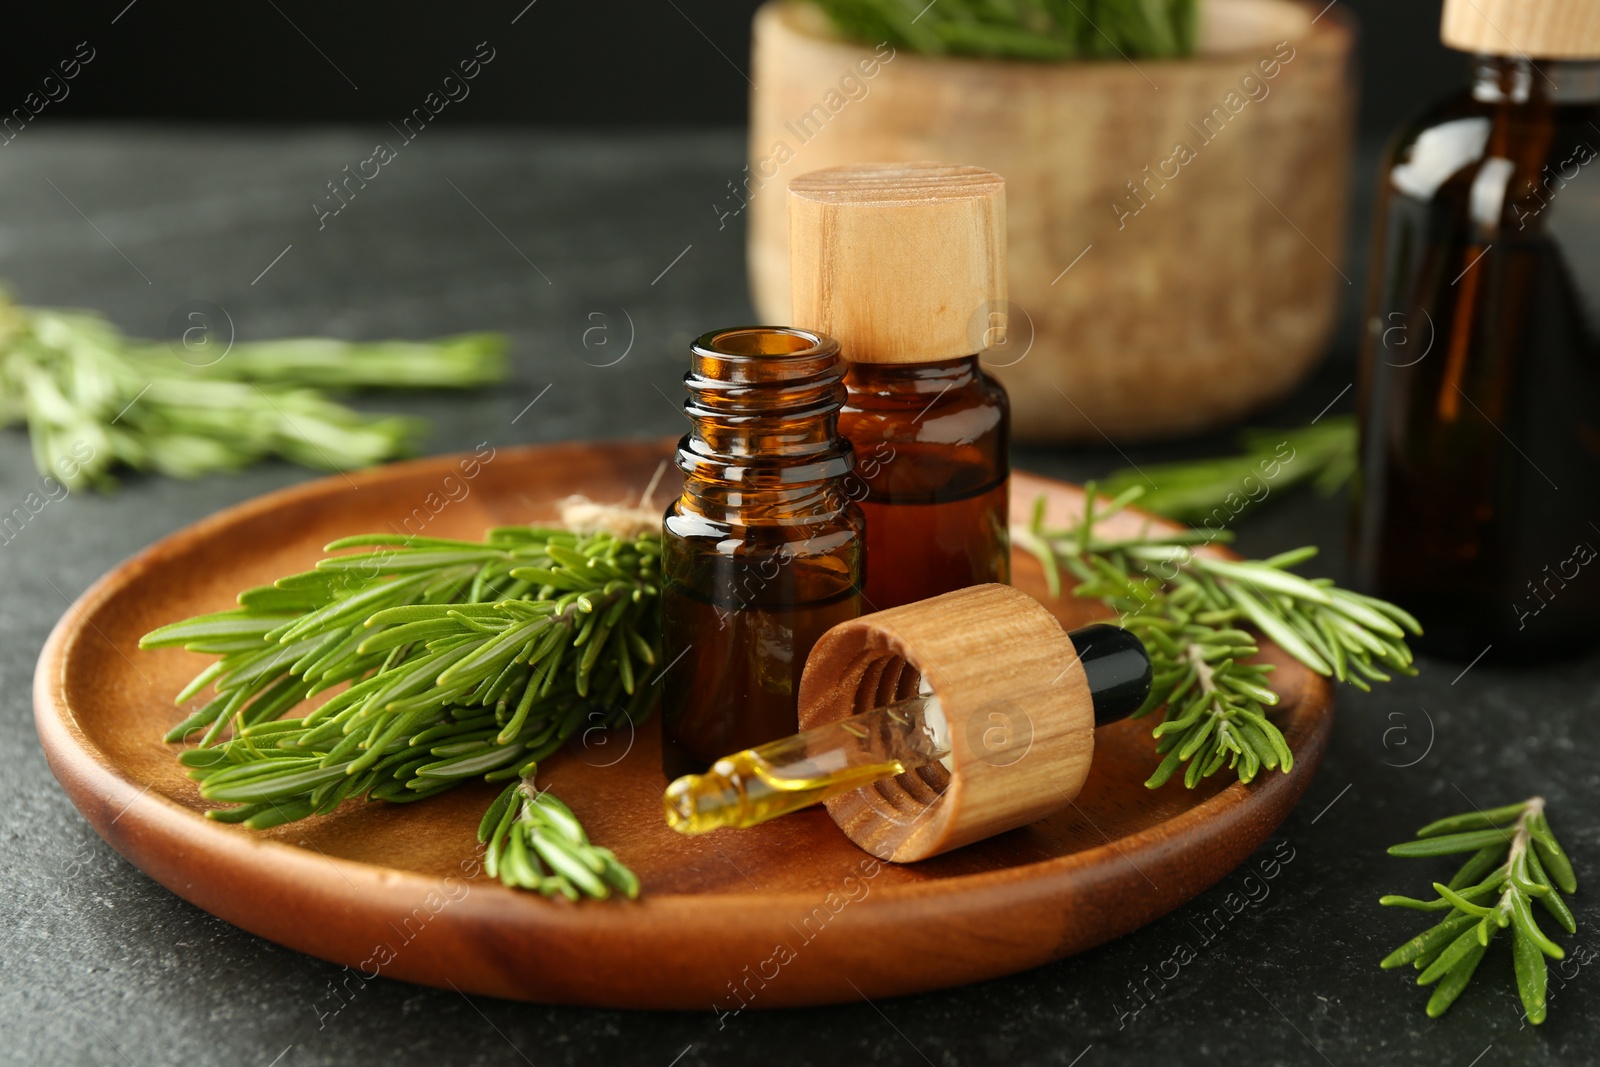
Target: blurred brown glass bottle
[[1478, 501]]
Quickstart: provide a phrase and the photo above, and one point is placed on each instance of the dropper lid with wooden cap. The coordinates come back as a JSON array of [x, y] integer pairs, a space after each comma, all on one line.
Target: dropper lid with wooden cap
[[1527, 29], [898, 262], [932, 725]]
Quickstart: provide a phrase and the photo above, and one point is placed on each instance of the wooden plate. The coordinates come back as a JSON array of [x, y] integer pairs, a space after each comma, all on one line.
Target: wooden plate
[[787, 913]]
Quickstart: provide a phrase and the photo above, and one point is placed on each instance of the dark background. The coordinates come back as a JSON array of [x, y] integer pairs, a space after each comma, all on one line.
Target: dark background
[[579, 63]]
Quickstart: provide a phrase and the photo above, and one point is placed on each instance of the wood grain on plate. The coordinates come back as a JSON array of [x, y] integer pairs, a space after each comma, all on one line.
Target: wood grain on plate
[[783, 914]]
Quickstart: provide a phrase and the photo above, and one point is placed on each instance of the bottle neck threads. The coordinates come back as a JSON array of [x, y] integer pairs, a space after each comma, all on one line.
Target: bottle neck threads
[[764, 407]]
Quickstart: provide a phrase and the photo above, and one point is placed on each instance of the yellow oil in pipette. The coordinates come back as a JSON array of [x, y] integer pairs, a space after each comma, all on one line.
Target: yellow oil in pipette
[[795, 772]]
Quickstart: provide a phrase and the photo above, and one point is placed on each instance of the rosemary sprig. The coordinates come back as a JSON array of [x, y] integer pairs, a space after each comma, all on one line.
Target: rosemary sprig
[[1190, 610], [1515, 861], [1272, 462], [535, 842], [1022, 29], [460, 659], [464, 361], [94, 400]]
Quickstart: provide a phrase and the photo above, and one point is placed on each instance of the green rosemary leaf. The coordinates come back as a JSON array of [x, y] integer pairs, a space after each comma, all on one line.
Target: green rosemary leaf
[[1431, 940], [356, 605], [1554, 860], [560, 856], [1474, 820], [1455, 981], [1522, 920], [1260, 577], [1292, 558], [615, 874], [244, 813], [1552, 901], [1532, 975], [274, 814], [1315, 633], [495, 815], [1266, 752], [1398, 901], [1168, 767], [398, 562], [1375, 621], [1482, 862], [1460, 901], [1458, 950], [1407, 621], [1522, 877], [487, 758], [423, 630], [1275, 627], [268, 783], [1449, 898], [236, 623], [1450, 843]]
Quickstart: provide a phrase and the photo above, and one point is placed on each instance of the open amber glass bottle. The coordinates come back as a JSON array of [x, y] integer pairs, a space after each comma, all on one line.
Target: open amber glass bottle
[[763, 551], [1480, 383], [905, 264]]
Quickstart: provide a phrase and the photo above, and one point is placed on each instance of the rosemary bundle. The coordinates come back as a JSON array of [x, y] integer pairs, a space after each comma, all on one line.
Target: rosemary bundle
[[459, 660], [1022, 29], [94, 400], [1189, 609], [1515, 861]]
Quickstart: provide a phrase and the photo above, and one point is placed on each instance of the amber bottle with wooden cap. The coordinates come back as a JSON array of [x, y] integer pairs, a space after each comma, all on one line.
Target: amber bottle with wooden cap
[[763, 551], [1480, 380], [933, 725], [905, 265]]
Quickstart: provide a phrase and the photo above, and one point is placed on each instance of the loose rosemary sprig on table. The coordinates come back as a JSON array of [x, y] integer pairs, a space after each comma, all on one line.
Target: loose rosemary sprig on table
[[1189, 609], [1272, 462], [1515, 861], [94, 400], [1022, 29], [460, 659]]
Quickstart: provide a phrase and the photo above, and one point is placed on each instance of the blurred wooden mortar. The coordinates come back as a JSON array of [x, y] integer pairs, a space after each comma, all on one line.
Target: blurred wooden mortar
[[1208, 295]]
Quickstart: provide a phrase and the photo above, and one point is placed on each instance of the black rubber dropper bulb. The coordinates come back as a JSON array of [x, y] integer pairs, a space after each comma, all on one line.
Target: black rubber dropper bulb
[[1118, 669]]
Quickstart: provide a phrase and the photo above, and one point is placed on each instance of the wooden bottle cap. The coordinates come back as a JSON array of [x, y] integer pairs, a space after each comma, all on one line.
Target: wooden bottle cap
[[1532, 29], [1021, 724], [901, 262]]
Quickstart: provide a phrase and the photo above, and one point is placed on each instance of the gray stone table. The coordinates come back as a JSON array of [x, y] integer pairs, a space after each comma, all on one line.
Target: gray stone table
[[529, 233]]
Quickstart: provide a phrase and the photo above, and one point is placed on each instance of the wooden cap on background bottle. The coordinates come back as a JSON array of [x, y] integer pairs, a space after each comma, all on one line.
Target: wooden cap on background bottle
[[1531, 29], [900, 262]]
